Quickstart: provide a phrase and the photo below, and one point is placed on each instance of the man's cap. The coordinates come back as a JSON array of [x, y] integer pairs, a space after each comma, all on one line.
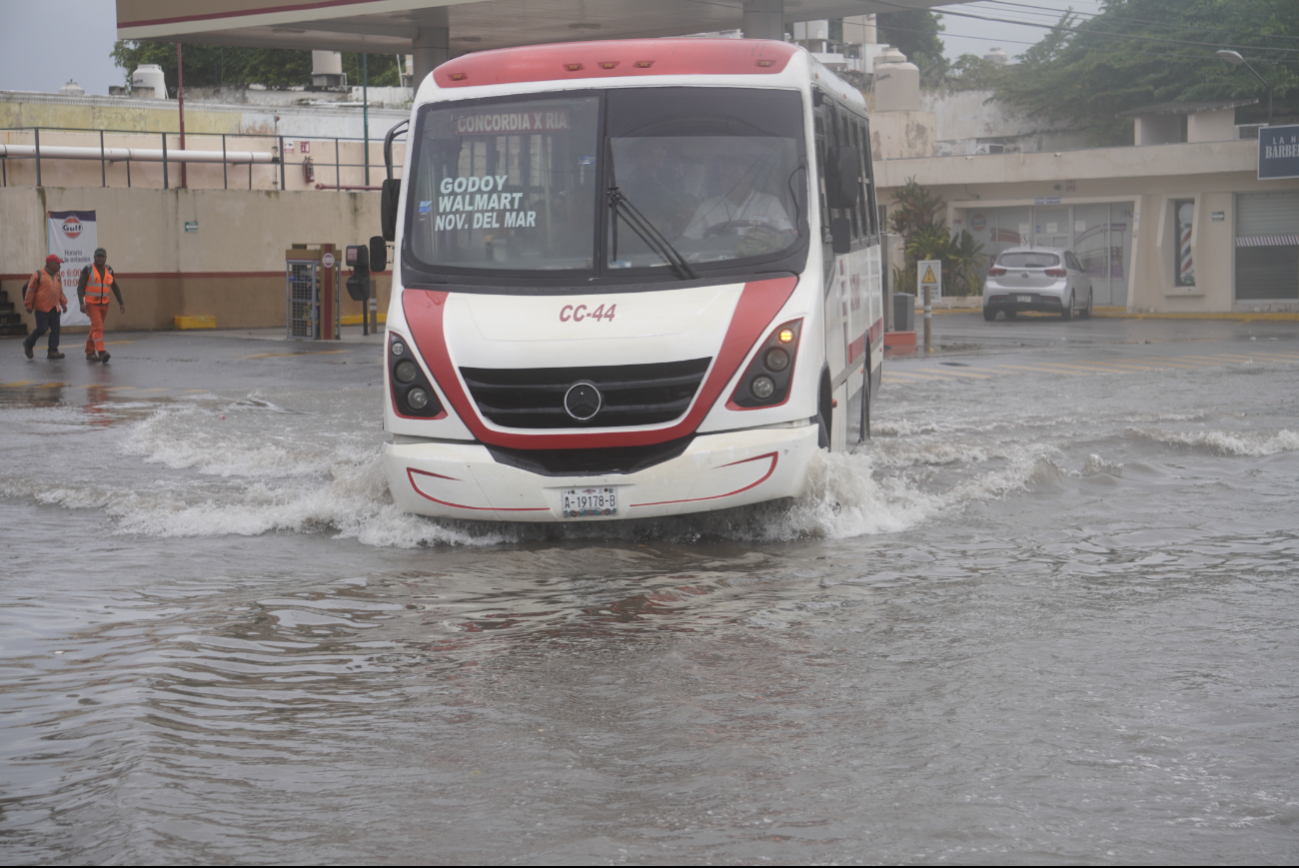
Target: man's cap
[[52, 258], [99, 251]]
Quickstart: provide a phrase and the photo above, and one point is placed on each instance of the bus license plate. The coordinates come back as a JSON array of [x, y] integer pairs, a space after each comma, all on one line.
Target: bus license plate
[[589, 502]]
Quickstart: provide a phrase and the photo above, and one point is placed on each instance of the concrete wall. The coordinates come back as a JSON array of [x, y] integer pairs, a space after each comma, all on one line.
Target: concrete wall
[[968, 119], [1217, 126], [231, 268], [1152, 177]]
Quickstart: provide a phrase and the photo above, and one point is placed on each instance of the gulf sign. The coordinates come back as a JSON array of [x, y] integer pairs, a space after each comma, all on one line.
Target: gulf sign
[[71, 227]]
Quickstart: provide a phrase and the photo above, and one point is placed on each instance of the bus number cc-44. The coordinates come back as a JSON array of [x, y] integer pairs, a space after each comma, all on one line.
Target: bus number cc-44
[[569, 313]]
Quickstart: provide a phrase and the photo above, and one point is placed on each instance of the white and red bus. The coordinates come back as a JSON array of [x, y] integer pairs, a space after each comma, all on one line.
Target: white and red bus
[[631, 279]]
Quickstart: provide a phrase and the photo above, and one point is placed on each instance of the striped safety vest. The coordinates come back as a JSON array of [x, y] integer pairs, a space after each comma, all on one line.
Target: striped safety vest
[[98, 287]]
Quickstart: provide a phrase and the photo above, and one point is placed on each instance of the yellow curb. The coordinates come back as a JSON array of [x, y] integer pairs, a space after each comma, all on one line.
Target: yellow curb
[[1232, 316], [196, 322], [1122, 313], [356, 319]]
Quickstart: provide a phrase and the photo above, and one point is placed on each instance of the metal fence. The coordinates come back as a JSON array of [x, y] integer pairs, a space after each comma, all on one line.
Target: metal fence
[[68, 157]]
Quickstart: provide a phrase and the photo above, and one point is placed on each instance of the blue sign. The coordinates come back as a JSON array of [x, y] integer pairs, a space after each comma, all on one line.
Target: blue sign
[[1278, 152]]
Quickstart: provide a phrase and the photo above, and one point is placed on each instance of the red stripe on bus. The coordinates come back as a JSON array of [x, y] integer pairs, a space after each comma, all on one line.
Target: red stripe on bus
[[410, 474], [758, 306]]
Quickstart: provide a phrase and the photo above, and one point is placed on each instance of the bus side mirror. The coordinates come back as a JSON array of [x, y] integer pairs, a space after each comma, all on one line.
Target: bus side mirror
[[388, 207], [378, 253], [841, 235], [843, 176]]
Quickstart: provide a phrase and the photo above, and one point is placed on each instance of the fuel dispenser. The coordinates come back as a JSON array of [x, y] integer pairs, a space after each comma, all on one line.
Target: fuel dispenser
[[312, 293]]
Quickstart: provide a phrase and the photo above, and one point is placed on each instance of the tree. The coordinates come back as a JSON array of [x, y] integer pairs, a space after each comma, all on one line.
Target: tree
[[915, 218], [215, 65], [914, 32], [1141, 52], [971, 72]]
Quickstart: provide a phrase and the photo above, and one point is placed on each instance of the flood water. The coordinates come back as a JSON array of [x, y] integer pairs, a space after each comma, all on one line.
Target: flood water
[[1048, 614]]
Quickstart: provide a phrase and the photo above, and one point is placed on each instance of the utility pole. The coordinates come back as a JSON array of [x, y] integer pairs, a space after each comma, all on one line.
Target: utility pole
[[365, 112], [180, 98]]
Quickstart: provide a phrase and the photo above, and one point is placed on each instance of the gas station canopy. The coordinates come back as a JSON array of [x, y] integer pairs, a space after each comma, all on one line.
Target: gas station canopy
[[436, 30]]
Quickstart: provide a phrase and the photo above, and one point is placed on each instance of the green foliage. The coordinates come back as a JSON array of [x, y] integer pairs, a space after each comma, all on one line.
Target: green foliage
[[914, 32], [914, 217], [963, 265], [915, 208], [971, 72], [1094, 73], [215, 65]]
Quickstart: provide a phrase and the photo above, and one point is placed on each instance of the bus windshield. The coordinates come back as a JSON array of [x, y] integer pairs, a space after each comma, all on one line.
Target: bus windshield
[[684, 179]]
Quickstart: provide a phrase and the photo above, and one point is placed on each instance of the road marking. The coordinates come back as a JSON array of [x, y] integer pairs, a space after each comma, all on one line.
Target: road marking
[[1041, 370]]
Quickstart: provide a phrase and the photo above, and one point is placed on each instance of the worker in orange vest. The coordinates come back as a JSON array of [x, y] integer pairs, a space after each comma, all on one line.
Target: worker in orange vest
[[92, 291], [44, 296]]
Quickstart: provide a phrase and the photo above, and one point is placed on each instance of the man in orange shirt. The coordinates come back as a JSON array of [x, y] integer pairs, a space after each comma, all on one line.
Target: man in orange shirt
[[92, 290], [44, 297]]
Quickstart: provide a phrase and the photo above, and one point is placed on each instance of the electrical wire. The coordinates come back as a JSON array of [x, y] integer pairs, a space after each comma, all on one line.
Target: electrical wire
[[1066, 29], [1118, 18]]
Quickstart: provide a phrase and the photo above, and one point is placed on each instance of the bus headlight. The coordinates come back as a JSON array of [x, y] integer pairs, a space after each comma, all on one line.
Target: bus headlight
[[767, 379], [405, 372], [412, 393]]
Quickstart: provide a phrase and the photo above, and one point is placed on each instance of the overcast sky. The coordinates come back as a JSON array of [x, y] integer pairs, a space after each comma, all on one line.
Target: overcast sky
[[49, 42]]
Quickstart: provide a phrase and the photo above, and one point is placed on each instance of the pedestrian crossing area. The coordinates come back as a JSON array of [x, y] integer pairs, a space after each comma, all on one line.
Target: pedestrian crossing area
[[930, 370]]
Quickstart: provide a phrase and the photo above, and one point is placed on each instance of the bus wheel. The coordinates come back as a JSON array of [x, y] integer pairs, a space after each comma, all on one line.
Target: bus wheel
[[825, 412], [866, 406]]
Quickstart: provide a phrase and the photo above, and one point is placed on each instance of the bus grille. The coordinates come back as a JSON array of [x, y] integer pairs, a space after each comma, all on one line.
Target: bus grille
[[632, 394]]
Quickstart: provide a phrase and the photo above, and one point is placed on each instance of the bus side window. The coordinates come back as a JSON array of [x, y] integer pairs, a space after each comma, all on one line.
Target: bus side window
[[859, 228], [820, 123], [868, 178]]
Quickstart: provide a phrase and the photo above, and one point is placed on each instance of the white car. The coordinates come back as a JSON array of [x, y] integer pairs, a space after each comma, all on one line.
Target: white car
[[1046, 279]]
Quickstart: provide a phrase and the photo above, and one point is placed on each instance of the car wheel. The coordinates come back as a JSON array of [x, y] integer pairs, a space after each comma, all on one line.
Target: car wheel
[[989, 314], [1086, 313], [1011, 314], [1067, 313]]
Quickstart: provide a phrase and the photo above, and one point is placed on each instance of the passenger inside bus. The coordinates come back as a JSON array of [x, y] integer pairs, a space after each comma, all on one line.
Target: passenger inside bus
[[758, 218]]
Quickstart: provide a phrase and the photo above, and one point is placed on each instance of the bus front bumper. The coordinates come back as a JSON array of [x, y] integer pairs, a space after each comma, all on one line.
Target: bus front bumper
[[716, 471]]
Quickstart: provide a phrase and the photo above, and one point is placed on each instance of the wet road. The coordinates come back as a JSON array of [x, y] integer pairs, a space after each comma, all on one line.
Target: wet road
[[1048, 615]]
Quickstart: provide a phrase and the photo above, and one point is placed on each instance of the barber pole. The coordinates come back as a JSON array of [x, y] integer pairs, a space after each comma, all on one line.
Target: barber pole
[[1186, 270]]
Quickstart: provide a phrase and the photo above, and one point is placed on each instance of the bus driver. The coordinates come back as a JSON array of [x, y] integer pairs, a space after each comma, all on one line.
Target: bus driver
[[740, 208]]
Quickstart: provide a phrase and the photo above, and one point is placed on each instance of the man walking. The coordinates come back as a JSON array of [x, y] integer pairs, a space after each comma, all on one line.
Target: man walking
[[92, 291], [45, 297]]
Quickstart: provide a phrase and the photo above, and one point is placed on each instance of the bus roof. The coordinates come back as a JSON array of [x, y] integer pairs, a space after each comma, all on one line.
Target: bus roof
[[616, 59]]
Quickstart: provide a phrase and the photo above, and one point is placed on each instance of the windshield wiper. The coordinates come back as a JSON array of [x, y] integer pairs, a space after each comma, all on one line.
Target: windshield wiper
[[648, 233]]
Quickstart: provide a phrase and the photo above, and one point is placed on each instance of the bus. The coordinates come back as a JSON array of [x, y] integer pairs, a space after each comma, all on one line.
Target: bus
[[631, 279]]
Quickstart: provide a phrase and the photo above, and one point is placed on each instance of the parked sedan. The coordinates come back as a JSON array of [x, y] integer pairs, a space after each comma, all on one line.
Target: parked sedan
[[1047, 279]]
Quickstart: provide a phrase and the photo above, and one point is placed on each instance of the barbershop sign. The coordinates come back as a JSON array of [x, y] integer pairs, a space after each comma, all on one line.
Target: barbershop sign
[[1278, 152]]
